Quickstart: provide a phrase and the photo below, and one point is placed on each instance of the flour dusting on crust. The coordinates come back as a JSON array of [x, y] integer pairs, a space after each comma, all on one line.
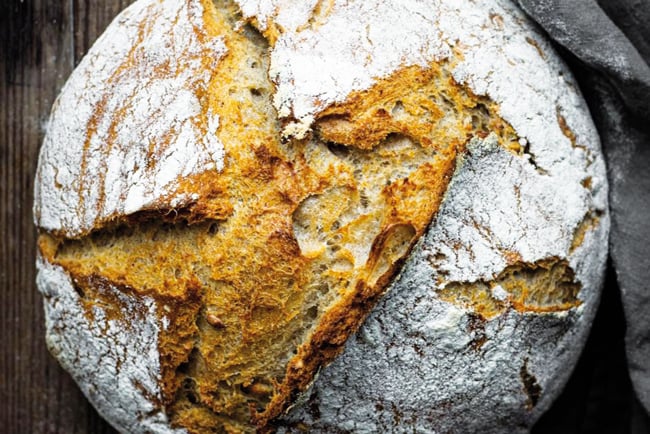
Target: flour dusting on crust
[[288, 14], [354, 45], [114, 360], [419, 362], [131, 120]]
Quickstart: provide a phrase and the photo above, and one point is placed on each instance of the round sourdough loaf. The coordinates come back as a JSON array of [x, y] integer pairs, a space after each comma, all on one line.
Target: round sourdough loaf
[[322, 216]]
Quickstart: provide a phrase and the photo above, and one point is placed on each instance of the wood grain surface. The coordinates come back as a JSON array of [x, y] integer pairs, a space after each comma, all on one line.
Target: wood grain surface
[[41, 42]]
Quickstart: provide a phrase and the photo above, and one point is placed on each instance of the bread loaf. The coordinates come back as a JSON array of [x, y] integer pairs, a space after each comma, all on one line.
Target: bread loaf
[[227, 190]]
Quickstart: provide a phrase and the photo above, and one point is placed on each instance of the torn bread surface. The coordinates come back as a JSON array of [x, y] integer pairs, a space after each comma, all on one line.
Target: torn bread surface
[[290, 207]]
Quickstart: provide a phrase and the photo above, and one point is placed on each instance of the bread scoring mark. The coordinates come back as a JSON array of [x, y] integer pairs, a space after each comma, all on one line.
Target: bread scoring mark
[[442, 113], [438, 114], [176, 310], [373, 41]]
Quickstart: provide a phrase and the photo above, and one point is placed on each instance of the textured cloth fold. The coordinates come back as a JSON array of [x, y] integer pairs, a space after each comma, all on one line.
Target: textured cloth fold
[[608, 45]]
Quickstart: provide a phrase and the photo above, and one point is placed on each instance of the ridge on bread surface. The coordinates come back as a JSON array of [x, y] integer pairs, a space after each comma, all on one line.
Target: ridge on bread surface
[[290, 244]]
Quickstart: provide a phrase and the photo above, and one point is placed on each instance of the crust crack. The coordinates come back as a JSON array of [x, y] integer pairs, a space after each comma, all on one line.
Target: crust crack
[[547, 285]]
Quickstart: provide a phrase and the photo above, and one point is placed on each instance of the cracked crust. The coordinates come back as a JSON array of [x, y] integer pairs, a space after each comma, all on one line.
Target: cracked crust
[[290, 208]]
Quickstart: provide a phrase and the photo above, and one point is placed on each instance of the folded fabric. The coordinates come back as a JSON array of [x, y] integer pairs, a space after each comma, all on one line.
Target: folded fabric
[[608, 43]]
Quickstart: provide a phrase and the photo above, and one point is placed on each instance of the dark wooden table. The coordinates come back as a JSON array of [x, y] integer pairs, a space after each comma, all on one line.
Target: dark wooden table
[[41, 42]]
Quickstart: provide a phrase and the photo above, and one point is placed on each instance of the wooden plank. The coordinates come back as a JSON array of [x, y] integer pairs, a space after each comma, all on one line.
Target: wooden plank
[[40, 42], [36, 59], [91, 17]]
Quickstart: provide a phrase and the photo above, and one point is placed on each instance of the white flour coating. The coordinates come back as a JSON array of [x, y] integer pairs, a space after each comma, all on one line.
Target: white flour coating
[[290, 15], [356, 43], [114, 361], [502, 205], [129, 121]]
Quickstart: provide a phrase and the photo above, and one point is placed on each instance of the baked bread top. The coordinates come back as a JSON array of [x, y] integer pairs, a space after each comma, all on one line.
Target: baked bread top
[[226, 190]]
